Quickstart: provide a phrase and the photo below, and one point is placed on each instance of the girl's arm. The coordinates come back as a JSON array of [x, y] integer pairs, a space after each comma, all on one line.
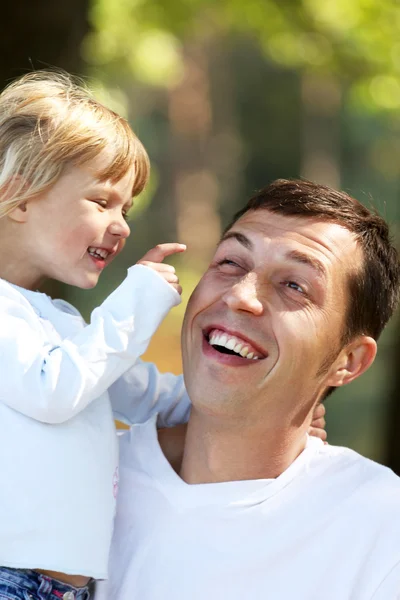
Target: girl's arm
[[389, 588], [143, 391], [52, 383]]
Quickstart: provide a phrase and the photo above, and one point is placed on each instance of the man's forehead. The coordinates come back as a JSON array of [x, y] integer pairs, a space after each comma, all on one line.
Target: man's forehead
[[326, 235]]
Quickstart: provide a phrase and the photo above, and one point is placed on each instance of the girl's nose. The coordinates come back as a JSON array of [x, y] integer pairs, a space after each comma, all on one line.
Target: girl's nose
[[120, 228]]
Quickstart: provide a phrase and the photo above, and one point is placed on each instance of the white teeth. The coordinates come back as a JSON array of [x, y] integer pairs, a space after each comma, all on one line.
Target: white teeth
[[98, 252], [231, 343]]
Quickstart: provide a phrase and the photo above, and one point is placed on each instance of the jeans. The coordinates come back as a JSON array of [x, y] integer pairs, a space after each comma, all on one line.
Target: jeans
[[24, 584]]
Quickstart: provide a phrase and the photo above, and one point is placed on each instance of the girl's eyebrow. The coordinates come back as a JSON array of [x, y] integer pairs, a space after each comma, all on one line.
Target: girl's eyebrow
[[129, 204], [240, 237]]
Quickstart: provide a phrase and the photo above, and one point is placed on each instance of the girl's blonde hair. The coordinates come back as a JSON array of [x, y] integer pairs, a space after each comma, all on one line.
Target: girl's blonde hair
[[48, 121]]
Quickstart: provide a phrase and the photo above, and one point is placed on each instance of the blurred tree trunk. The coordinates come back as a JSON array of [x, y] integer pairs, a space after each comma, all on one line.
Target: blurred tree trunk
[[38, 34], [393, 437], [226, 152], [321, 96], [41, 33], [195, 183]]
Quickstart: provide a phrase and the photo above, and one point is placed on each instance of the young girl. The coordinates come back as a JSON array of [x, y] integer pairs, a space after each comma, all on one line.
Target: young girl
[[69, 168]]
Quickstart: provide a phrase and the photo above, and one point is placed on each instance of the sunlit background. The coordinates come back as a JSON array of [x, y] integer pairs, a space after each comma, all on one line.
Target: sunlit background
[[226, 97]]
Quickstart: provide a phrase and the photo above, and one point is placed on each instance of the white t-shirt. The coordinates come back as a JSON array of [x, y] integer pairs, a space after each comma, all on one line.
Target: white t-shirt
[[58, 448], [328, 527]]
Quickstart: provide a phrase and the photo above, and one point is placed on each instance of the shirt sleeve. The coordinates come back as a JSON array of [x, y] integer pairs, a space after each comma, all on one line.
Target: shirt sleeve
[[389, 589], [143, 391], [53, 383]]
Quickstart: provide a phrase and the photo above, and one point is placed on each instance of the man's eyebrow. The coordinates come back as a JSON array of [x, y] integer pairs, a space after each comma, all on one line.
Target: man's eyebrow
[[240, 237], [294, 255], [308, 260]]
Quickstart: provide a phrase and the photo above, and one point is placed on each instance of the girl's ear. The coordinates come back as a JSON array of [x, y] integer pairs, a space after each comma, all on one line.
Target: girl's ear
[[20, 213], [353, 361], [16, 186]]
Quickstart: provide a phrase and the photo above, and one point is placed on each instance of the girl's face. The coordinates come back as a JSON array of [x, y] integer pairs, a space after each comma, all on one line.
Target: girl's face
[[74, 230]]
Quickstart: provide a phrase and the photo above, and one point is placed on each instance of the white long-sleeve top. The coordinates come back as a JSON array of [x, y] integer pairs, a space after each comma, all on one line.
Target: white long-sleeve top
[[58, 449]]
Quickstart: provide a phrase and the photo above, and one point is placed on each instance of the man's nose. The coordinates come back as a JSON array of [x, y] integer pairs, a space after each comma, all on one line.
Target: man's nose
[[243, 296], [119, 227]]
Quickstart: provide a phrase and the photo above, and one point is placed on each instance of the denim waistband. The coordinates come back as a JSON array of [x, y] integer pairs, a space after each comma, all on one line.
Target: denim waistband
[[42, 586]]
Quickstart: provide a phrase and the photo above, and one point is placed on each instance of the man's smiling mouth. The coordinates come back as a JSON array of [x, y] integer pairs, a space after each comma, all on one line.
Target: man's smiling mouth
[[226, 343]]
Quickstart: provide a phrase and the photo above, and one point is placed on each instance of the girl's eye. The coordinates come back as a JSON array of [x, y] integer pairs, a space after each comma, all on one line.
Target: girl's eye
[[294, 286], [101, 202], [125, 215]]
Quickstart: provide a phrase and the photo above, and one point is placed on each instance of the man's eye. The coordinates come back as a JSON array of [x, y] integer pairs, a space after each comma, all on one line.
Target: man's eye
[[228, 263], [294, 286]]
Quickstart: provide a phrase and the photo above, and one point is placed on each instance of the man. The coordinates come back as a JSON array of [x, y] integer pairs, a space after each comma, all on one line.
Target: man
[[299, 290]]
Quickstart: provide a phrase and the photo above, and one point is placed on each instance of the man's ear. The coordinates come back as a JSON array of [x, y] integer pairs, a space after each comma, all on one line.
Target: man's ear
[[353, 361]]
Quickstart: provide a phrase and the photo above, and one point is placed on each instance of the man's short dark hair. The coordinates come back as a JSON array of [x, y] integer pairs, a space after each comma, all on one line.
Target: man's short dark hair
[[373, 289]]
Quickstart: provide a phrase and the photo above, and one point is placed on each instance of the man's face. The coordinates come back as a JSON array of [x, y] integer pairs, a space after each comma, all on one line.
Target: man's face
[[264, 325]]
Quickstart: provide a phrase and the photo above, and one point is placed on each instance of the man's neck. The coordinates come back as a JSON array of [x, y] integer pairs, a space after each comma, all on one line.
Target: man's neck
[[215, 452]]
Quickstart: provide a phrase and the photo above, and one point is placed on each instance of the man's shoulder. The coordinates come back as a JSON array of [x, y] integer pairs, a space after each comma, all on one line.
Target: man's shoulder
[[369, 478], [346, 456], [353, 494]]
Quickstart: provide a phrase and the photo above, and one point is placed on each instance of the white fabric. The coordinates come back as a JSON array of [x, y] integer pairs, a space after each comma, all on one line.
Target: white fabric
[[58, 448], [328, 528]]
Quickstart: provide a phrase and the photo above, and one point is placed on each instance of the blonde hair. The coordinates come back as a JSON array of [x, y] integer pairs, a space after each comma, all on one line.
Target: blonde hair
[[49, 121]]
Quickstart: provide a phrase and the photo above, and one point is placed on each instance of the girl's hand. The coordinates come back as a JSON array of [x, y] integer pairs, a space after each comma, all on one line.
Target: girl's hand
[[154, 257]]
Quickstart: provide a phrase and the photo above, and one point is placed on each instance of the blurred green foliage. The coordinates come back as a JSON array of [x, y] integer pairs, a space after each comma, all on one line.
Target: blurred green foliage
[[227, 96], [356, 41]]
